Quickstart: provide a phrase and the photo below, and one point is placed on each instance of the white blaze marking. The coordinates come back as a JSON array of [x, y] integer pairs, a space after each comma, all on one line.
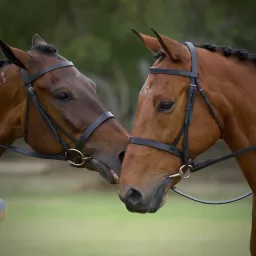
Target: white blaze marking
[[2, 78], [145, 89]]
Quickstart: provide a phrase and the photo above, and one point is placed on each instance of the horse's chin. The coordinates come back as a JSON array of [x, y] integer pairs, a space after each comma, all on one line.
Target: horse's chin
[[155, 208], [107, 174]]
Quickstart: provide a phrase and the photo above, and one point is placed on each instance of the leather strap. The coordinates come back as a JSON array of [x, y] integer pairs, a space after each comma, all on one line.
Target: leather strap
[[155, 144], [47, 70], [84, 137], [28, 152], [167, 71], [199, 166]]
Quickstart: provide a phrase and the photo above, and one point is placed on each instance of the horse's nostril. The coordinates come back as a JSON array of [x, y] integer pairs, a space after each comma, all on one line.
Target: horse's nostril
[[120, 155], [133, 197]]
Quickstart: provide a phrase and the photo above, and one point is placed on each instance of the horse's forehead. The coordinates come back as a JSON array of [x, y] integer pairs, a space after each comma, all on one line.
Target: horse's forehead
[[146, 88], [155, 85], [41, 60], [150, 84]]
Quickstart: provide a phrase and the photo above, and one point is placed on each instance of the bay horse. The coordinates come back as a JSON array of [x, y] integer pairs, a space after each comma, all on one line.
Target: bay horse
[[50, 103], [193, 96]]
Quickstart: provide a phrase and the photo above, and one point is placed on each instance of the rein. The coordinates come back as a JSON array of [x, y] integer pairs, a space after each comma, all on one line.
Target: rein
[[79, 158], [188, 163]]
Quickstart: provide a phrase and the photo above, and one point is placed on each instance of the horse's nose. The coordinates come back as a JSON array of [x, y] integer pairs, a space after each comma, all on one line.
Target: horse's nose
[[133, 197]]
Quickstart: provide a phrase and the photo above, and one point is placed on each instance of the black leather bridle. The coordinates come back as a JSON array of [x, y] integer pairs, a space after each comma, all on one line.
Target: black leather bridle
[[189, 164], [73, 155]]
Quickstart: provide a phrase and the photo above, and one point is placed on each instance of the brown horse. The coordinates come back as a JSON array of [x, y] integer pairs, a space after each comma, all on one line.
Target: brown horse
[[179, 118], [46, 100]]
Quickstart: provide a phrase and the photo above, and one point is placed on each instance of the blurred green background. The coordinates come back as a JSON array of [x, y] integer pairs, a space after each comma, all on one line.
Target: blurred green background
[[73, 214], [57, 210]]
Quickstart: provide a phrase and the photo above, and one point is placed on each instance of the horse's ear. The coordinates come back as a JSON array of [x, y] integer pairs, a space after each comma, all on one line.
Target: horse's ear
[[175, 50], [150, 42], [37, 40], [16, 56]]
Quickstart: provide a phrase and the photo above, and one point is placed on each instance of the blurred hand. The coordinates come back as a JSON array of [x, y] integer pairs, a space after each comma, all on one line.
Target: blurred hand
[[3, 210]]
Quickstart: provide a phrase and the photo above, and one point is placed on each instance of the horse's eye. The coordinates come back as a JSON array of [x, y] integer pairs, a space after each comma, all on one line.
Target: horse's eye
[[165, 106], [62, 96]]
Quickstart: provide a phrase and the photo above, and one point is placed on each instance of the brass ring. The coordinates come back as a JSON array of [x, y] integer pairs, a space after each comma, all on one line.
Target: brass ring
[[83, 158]]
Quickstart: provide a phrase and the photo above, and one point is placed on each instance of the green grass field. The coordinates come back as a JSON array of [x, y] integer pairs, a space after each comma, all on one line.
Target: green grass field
[[98, 224]]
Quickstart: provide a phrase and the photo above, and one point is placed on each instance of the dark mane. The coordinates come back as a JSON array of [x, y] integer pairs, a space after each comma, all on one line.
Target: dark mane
[[45, 49], [241, 54], [227, 51]]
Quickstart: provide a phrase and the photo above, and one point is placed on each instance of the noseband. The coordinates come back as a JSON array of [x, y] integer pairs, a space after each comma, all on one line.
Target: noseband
[[78, 158], [189, 164]]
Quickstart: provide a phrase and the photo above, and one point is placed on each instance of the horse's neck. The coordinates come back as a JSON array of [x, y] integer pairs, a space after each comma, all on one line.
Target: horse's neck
[[239, 111], [10, 108]]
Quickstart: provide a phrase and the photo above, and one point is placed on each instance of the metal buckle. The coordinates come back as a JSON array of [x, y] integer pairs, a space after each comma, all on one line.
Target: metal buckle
[[31, 91], [182, 172], [81, 156], [179, 174]]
